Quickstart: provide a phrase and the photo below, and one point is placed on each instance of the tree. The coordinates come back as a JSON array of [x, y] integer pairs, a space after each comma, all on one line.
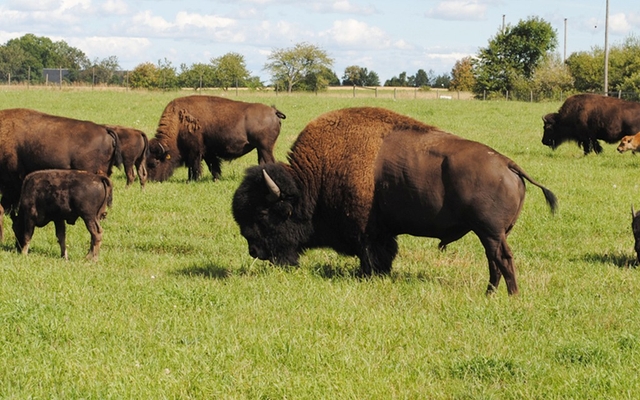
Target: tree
[[552, 76], [442, 81], [587, 68], [422, 79], [462, 75], [230, 70], [358, 76], [199, 75], [514, 53], [400, 80], [293, 65], [11, 59], [144, 76]]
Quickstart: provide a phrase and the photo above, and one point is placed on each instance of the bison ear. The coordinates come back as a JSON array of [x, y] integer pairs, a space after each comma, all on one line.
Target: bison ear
[[274, 190]]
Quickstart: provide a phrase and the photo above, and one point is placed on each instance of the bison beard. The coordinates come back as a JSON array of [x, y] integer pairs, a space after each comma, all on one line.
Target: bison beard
[[357, 178]]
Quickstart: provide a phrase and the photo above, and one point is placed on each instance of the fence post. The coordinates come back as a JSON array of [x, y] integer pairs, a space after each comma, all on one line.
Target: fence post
[[395, 90], [376, 92], [531, 94], [354, 91]]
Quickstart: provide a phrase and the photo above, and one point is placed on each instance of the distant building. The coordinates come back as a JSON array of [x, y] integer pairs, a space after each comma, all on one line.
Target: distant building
[[53, 75]]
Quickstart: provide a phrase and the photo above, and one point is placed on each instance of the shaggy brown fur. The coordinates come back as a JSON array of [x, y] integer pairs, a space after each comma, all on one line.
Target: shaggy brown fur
[[209, 128]]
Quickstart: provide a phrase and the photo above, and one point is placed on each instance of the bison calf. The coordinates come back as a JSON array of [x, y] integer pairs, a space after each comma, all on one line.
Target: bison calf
[[59, 196], [134, 146], [631, 142]]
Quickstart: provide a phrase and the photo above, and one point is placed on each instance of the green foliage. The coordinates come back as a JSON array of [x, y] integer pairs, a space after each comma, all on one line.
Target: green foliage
[[302, 63], [462, 75], [230, 70], [513, 55], [37, 53], [150, 76], [176, 308], [358, 76]]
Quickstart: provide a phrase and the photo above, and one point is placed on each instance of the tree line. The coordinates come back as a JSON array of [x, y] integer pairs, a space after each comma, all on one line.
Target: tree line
[[519, 59]]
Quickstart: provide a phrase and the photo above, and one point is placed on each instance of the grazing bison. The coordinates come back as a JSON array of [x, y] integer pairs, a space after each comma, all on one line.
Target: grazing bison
[[587, 118], [134, 147], [209, 128], [61, 195], [631, 142], [31, 141], [358, 177]]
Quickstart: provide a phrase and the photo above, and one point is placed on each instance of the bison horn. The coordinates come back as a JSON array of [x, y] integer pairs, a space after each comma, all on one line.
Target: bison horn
[[162, 148], [633, 212], [273, 188]]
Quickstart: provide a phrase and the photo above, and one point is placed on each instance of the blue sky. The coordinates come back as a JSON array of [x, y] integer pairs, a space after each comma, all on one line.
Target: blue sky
[[385, 36]]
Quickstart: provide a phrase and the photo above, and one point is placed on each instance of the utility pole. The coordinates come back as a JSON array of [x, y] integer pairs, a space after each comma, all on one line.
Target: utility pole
[[564, 57], [606, 51], [503, 15]]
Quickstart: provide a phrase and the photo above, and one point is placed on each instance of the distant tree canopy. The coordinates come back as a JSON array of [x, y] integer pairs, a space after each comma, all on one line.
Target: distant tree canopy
[[587, 68], [301, 65], [355, 75], [462, 77], [514, 53]]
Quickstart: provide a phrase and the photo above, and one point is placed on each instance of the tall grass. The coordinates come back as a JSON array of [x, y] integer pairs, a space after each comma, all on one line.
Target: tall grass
[[176, 308]]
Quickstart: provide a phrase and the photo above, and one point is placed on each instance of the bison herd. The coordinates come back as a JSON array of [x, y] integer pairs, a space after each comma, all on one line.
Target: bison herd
[[355, 178]]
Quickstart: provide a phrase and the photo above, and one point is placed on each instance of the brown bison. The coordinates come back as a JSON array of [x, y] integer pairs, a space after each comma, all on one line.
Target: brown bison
[[134, 147], [209, 128], [31, 140], [61, 195], [359, 177], [631, 142], [587, 118]]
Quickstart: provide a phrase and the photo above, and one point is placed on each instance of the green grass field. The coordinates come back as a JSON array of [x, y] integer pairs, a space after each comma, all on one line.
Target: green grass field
[[176, 307]]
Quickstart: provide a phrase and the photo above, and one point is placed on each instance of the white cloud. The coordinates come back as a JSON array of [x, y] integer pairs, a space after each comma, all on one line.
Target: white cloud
[[619, 24], [116, 7], [351, 32], [458, 10], [342, 7], [102, 47]]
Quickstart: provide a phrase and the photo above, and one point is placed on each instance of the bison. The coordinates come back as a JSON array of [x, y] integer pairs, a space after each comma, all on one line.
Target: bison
[[631, 142], [587, 118], [31, 140], [61, 195], [134, 146], [359, 177], [210, 128]]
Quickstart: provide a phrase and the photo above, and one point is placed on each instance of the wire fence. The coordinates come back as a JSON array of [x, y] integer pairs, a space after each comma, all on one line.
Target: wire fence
[[396, 93]]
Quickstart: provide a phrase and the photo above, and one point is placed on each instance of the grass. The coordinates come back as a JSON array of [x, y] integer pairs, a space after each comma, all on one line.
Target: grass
[[176, 308]]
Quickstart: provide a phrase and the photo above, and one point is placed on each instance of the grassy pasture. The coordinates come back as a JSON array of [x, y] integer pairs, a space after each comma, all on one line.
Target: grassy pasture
[[176, 308]]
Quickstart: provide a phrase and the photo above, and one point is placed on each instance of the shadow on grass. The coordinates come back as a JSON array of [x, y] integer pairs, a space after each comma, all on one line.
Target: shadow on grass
[[210, 270], [618, 259]]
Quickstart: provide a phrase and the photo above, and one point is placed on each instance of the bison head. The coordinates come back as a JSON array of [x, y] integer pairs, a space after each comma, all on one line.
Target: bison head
[[635, 226], [550, 137], [266, 206], [160, 162]]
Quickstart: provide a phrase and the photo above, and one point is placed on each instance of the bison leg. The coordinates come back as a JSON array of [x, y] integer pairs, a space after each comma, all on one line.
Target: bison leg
[[1, 223], [142, 172], [23, 228], [500, 260], [94, 228], [213, 163], [377, 257], [61, 234], [128, 169]]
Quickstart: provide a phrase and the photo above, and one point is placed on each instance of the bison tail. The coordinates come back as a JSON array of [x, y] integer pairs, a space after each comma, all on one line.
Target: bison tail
[[117, 152], [279, 113], [551, 198]]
